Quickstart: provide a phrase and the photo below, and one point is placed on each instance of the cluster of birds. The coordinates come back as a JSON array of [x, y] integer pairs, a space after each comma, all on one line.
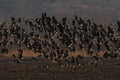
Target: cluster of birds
[[57, 39]]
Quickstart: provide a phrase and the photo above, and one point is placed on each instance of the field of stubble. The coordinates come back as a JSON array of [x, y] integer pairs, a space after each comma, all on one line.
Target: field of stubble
[[106, 69]]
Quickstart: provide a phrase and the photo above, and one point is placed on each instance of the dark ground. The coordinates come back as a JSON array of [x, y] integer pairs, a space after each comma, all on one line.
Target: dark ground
[[107, 69]]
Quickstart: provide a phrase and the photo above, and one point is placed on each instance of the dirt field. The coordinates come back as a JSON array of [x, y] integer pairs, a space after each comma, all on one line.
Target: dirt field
[[28, 69]]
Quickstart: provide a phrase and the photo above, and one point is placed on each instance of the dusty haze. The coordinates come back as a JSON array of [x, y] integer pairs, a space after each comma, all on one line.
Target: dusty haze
[[99, 10]]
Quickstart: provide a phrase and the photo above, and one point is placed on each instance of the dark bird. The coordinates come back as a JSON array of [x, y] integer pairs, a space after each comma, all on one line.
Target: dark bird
[[106, 55], [18, 61], [13, 19], [34, 58], [118, 23], [14, 56], [96, 57]]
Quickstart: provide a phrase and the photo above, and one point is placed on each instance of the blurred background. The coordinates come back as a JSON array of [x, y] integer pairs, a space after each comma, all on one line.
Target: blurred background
[[101, 11]]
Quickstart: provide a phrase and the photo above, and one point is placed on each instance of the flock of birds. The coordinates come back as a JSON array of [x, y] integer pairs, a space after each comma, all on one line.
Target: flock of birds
[[55, 39]]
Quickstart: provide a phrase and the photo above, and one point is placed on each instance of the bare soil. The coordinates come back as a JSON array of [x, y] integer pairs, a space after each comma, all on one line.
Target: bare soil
[[42, 69]]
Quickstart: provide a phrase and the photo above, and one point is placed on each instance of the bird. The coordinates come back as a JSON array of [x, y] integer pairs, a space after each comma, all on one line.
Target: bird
[[18, 61], [34, 58], [14, 56], [118, 23]]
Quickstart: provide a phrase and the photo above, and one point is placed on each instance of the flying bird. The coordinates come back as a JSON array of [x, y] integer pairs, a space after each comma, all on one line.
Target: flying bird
[[118, 23]]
